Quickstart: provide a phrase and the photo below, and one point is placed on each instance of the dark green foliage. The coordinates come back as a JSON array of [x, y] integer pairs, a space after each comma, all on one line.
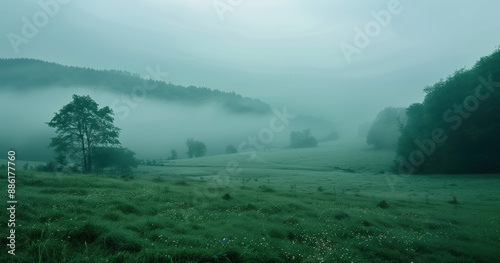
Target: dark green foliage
[[24, 74], [121, 160], [455, 129], [302, 139], [195, 148], [81, 127], [384, 132], [231, 149], [61, 160], [227, 196], [366, 223]]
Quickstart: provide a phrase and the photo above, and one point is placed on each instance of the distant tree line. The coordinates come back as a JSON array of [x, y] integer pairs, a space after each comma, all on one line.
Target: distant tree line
[[385, 130], [24, 74], [302, 139], [119, 160], [173, 155], [454, 130], [195, 148]]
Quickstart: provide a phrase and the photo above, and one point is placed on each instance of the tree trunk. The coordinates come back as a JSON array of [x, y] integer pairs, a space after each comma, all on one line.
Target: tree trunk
[[85, 168]]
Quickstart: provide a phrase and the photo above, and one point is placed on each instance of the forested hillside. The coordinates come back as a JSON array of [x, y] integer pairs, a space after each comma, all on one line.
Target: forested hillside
[[456, 129], [27, 74]]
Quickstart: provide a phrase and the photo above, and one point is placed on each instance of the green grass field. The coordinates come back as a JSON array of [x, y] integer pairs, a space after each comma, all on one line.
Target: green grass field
[[333, 203]]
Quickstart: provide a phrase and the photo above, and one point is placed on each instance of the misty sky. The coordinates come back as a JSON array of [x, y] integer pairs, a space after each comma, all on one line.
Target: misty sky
[[283, 52]]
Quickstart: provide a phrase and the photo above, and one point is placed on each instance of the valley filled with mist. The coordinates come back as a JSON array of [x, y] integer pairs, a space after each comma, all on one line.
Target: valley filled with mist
[[238, 131]]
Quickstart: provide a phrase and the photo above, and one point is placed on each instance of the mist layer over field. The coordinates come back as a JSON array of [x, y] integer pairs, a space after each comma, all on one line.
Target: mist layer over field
[[152, 128]]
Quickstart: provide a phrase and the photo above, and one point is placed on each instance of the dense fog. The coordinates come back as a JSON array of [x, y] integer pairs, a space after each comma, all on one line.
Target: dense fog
[[152, 128], [285, 53]]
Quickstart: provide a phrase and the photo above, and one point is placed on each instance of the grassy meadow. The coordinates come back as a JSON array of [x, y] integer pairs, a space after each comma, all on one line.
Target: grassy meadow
[[334, 203]]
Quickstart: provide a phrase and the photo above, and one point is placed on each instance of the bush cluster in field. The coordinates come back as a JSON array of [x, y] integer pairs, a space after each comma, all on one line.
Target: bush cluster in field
[[156, 219]]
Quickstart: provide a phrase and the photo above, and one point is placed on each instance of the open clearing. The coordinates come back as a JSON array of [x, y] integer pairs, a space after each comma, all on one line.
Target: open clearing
[[334, 203]]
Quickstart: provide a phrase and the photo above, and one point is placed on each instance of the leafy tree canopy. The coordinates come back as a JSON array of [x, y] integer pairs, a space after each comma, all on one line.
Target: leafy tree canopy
[[81, 127], [302, 139], [384, 132], [456, 128], [23, 74], [195, 148], [121, 160]]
